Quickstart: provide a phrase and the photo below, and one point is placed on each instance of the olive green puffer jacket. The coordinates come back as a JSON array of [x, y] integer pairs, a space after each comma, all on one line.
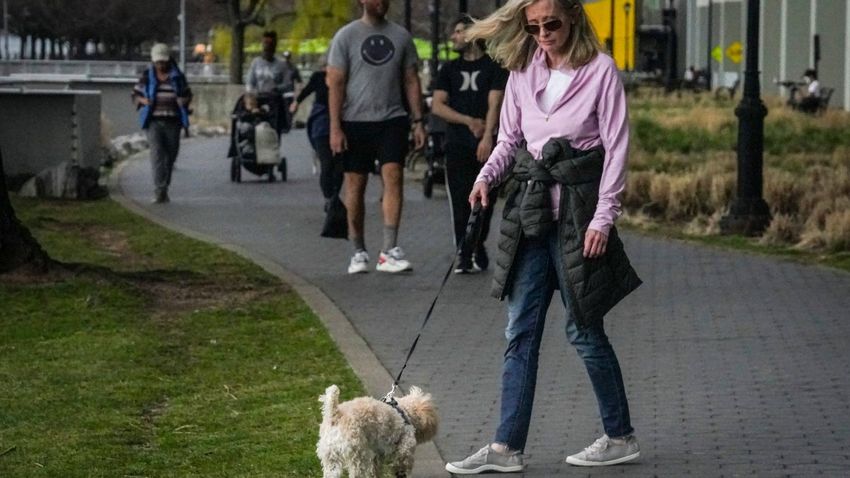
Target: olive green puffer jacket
[[595, 285]]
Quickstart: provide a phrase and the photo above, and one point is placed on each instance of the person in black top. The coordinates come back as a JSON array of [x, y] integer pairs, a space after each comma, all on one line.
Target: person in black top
[[319, 130], [468, 95]]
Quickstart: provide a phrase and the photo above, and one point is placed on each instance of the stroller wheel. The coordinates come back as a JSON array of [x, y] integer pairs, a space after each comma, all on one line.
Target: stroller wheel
[[271, 175], [428, 184]]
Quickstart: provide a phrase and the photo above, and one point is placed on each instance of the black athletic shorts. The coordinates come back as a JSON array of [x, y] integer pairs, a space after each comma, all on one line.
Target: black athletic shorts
[[385, 141]]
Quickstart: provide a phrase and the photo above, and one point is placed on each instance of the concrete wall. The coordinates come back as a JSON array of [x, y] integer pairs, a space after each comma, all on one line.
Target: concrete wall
[[41, 128], [212, 104], [770, 49]]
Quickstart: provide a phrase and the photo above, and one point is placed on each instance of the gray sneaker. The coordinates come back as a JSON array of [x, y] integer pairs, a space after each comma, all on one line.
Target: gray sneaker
[[487, 459], [607, 451]]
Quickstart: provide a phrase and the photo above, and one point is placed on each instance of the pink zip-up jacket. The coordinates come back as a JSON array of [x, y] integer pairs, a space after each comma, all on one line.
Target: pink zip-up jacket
[[592, 112]]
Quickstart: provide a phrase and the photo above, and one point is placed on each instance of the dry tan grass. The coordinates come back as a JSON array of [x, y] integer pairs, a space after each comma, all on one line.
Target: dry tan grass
[[685, 198], [722, 191], [808, 193], [659, 190], [637, 189], [784, 229], [706, 117], [783, 191], [837, 231]]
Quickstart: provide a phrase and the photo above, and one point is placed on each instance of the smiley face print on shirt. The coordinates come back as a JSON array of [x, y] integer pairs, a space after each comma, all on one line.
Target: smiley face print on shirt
[[377, 50]]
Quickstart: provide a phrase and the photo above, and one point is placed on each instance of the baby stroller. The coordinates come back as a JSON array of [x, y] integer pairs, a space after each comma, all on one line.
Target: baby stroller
[[435, 156], [255, 137]]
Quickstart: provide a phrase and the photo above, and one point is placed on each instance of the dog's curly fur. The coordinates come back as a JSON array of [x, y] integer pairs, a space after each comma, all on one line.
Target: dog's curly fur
[[364, 436]]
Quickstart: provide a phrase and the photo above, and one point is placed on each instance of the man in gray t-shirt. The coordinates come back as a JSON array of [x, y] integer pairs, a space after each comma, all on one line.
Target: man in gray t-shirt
[[371, 64]]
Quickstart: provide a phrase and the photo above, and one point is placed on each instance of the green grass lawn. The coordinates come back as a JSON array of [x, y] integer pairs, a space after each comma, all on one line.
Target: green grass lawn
[[151, 354]]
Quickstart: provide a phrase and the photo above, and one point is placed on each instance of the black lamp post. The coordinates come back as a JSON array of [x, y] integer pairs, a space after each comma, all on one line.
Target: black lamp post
[[462, 7], [407, 14], [748, 213], [627, 7]]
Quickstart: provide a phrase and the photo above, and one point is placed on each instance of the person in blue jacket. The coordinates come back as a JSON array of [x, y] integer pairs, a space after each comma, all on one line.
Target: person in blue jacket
[[162, 97]]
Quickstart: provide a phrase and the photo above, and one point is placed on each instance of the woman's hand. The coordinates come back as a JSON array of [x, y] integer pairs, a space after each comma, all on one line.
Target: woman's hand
[[594, 244], [480, 192], [293, 107], [143, 101]]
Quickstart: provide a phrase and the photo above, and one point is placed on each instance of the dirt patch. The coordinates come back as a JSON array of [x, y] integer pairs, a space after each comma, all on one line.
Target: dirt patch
[[28, 275], [170, 297], [168, 290]]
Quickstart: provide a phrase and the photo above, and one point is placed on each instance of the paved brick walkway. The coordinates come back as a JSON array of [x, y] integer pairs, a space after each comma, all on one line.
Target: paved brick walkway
[[735, 364]]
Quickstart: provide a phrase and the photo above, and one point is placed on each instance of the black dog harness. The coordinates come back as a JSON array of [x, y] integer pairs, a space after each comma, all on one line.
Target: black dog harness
[[393, 403]]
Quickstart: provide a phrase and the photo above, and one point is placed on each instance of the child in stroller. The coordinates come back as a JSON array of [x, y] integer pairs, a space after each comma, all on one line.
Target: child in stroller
[[254, 141]]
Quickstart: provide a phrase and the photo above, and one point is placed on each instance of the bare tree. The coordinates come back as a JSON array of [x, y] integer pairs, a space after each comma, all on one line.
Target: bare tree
[[17, 246], [240, 18]]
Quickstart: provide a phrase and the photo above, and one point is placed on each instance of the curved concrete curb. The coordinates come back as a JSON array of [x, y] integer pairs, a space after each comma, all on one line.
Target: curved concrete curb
[[360, 357]]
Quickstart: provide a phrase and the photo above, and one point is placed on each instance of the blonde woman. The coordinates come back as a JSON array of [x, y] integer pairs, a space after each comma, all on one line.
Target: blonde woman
[[563, 142]]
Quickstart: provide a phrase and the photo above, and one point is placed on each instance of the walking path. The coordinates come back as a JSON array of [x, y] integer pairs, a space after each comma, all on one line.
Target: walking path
[[734, 364]]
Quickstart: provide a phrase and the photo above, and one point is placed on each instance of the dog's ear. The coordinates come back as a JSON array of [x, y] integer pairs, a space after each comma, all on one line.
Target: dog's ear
[[415, 391]]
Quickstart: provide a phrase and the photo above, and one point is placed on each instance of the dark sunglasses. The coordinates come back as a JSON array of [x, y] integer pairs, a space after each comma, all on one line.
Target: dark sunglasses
[[550, 26]]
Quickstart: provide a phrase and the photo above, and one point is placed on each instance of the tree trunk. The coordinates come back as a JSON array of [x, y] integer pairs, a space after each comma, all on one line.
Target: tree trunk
[[237, 53], [17, 246]]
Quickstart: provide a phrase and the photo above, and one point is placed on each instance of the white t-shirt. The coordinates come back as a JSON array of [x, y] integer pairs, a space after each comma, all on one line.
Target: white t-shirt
[[558, 83], [814, 88]]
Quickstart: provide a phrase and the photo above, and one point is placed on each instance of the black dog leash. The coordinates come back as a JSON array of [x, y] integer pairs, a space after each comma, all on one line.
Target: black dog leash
[[470, 239]]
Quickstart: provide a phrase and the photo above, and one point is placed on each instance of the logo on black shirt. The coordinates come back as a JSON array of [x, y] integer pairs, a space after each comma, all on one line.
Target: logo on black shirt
[[377, 50], [470, 80]]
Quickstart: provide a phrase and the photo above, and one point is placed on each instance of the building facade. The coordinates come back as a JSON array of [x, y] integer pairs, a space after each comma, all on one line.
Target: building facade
[[793, 34]]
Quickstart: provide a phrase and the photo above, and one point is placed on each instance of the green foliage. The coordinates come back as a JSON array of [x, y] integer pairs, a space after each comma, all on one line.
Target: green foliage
[[319, 18], [102, 379], [650, 136]]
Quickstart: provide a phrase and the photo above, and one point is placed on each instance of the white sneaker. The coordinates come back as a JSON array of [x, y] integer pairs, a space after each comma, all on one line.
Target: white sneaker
[[393, 261], [359, 263], [607, 451]]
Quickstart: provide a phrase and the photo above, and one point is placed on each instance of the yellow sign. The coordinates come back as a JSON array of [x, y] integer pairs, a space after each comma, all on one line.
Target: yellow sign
[[735, 52], [717, 54]]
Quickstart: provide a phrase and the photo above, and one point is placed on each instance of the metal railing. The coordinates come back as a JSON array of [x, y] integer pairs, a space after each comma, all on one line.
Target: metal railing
[[110, 69]]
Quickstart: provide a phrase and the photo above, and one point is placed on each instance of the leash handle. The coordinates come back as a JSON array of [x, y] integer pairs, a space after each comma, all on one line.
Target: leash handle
[[470, 239], [473, 231]]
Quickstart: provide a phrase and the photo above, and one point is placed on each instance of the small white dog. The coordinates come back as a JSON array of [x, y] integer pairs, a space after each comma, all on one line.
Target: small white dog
[[364, 436]]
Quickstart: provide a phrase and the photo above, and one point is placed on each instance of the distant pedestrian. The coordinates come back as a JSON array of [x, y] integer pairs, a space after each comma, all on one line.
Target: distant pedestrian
[[807, 101], [271, 79], [291, 76], [563, 142], [319, 130], [468, 95], [162, 96], [372, 62]]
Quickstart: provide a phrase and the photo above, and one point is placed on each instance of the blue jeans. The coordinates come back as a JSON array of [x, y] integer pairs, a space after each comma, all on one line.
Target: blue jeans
[[538, 270]]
